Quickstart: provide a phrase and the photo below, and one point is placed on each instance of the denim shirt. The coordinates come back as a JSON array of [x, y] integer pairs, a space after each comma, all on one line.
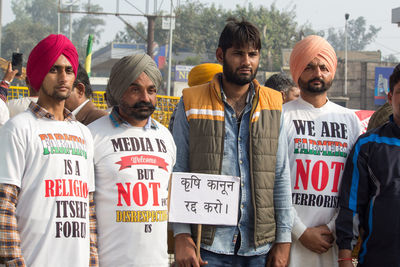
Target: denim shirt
[[235, 162]]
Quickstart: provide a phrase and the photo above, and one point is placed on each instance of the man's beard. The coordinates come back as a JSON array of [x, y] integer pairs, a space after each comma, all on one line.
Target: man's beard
[[56, 94], [132, 111], [233, 76], [306, 86]]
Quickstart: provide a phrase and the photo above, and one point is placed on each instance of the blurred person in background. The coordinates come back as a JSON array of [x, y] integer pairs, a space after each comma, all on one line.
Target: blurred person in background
[[79, 102], [282, 83], [4, 85], [199, 74]]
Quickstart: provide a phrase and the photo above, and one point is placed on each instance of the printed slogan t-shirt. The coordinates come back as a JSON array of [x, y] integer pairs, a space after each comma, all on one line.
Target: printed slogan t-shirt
[[52, 163], [132, 170], [319, 140]]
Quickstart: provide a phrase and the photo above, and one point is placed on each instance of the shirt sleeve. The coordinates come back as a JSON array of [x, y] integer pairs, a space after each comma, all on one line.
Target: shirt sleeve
[[10, 242], [298, 226], [4, 113], [353, 198], [180, 132], [12, 154], [282, 189], [3, 91]]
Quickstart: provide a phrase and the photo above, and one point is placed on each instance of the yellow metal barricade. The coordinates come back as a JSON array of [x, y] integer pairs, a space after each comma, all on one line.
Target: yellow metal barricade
[[15, 92], [165, 107], [163, 112], [99, 100]]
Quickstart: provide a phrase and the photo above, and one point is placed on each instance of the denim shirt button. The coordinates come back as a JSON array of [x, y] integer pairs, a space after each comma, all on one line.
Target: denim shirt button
[[241, 162]]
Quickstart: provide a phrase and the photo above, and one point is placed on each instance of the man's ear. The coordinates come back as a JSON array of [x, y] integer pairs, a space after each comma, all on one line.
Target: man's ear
[[390, 95], [283, 96], [219, 54], [80, 89]]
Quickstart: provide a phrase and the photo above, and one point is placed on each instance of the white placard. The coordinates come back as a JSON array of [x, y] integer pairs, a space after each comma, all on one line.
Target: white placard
[[166, 22], [204, 198]]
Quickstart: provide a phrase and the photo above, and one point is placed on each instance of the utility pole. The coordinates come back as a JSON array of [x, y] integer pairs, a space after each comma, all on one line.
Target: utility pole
[[150, 34], [170, 53], [346, 16], [150, 20]]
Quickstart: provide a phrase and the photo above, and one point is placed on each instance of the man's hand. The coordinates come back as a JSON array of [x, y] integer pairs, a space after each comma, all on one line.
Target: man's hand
[[9, 74], [185, 252], [345, 254], [279, 255], [317, 239], [346, 263]]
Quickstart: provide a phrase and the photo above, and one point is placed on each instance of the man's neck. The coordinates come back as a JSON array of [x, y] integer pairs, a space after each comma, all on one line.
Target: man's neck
[[235, 94], [234, 91], [317, 100], [55, 107]]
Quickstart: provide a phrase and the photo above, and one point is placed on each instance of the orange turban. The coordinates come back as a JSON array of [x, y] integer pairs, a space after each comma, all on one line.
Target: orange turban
[[306, 50], [203, 73]]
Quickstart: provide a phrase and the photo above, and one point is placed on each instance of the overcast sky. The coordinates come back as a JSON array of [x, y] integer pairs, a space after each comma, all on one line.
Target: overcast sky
[[320, 14]]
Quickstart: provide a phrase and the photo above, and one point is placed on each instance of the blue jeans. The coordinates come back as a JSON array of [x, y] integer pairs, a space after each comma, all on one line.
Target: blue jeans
[[222, 260]]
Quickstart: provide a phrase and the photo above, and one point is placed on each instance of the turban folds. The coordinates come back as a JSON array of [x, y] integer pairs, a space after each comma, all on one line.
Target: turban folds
[[126, 71], [45, 54], [306, 50], [203, 73]]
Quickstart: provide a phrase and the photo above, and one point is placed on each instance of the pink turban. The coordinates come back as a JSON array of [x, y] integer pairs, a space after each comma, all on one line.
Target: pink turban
[[306, 50], [45, 54]]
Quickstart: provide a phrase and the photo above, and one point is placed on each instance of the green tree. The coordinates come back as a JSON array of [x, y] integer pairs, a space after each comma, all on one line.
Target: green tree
[[85, 25], [390, 58], [198, 27], [128, 35], [35, 19], [192, 29], [278, 30], [358, 36]]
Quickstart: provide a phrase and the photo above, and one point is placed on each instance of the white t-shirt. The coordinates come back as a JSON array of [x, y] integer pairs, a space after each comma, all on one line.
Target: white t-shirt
[[16, 106], [319, 140], [4, 113], [132, 170], [52, 164]]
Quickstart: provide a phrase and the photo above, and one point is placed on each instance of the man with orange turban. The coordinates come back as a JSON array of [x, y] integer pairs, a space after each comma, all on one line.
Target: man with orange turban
[[320, 135], [202, 73], [46, 170]]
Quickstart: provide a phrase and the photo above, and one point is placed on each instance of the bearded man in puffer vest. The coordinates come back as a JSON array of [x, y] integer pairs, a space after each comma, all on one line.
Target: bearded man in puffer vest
[[232, 126]]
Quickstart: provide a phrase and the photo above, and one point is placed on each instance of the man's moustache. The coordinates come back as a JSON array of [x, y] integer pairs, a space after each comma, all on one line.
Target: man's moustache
[[317, 80], [144, 105]]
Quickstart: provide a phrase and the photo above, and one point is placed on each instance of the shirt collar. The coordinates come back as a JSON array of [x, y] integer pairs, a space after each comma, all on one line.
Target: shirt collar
[[40, 112], [76, 111], [250, 93], [117, 120]]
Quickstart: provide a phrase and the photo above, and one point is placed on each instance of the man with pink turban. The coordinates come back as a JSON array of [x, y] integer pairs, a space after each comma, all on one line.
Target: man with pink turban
[[320, 135], [46, 170]]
